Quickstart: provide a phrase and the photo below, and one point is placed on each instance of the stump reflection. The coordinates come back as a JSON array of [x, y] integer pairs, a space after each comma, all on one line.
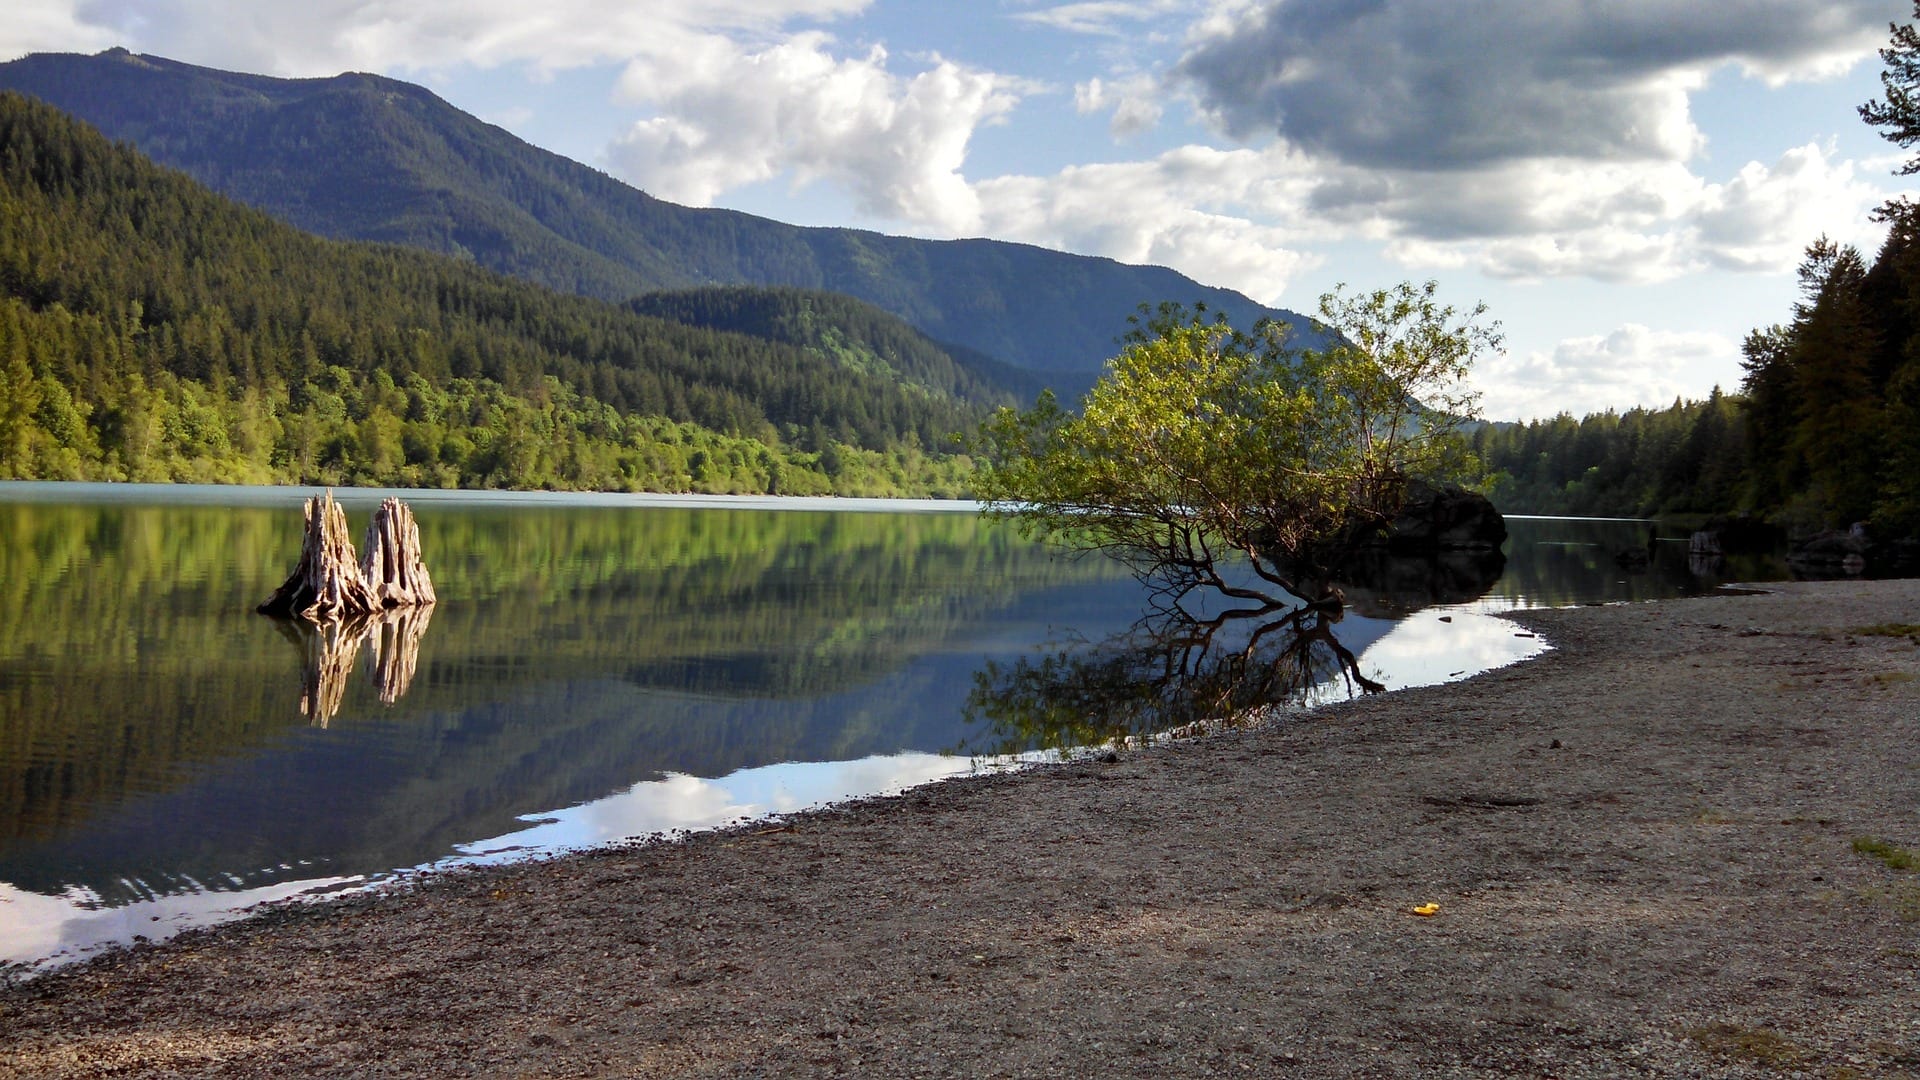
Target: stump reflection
[[1171, 673], [331, 647]]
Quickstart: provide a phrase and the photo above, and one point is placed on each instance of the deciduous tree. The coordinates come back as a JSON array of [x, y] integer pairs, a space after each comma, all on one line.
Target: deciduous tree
[[1208, 458]]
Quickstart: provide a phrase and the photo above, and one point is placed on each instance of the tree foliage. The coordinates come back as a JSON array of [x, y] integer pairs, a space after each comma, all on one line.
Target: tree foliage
[[363, 157], [150, 330], [1687, 458], [1204, 450], [1897, 111]]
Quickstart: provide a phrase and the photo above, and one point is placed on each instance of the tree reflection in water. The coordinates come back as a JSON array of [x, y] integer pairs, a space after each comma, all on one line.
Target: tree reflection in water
[[392, 638], [1172, 671], [1175, 671]]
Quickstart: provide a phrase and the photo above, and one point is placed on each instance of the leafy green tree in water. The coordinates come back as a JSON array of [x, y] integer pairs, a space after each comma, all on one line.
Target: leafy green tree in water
[[1203, 447]]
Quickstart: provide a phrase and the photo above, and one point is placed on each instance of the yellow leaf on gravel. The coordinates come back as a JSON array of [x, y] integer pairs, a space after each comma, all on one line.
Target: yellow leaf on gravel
[[1425, 910]]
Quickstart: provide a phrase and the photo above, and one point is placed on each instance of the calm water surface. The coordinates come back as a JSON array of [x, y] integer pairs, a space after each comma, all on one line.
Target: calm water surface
[[598, 667]]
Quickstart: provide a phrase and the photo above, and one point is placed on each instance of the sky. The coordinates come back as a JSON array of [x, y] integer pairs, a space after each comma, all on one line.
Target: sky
[[1628, 186]]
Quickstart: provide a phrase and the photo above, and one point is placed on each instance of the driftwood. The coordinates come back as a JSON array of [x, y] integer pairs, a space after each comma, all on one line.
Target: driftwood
[[329, 582]]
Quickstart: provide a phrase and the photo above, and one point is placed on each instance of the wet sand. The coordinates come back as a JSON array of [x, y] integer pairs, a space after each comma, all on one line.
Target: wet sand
[[1644, 848]]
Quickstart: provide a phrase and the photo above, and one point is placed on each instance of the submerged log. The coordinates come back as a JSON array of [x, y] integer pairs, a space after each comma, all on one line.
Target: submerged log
[[330, 582]]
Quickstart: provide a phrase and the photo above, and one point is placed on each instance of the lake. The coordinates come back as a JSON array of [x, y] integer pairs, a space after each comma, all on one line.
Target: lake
[[598, 668]]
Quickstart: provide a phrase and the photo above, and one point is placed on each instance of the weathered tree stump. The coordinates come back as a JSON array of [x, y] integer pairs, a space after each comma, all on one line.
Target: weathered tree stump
[[335, 603], [326, 583], [392, 565], [330, 582]]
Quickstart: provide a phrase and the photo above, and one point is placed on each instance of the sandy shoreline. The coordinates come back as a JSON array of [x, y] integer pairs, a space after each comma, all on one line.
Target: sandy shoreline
[[1642, 846]]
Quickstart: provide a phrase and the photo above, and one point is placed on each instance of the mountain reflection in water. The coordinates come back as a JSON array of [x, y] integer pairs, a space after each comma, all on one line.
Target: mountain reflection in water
[[596, 668]]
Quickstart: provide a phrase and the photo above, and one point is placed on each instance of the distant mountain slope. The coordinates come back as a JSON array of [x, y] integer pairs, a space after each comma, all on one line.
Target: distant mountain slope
[[153, 330], [365, 157], [852, 332]]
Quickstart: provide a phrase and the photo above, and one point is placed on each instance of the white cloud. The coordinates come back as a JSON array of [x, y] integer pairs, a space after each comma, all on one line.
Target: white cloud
[[1618, 222], [1110, 18], [1539, 139], [1251, 219], [1407, 84], [1134, 102], [50, 27], [727, 116], [1764, 218], [324, 37], [1187, 209], [1632, 365]]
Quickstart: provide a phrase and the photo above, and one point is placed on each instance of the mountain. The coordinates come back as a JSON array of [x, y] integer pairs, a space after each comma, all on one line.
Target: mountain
[[153, 330], [853, 332], [365, 157]]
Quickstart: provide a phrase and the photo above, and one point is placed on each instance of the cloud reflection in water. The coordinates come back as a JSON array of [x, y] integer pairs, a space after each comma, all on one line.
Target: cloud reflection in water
[[688, 803]]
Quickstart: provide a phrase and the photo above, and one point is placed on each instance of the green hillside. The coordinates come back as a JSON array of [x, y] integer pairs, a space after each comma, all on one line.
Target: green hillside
[[150, 329], [853, 333], [370, 158]]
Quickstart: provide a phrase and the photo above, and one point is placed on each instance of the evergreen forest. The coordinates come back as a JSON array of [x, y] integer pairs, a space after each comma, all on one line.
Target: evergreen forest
[[152, 330], [364, 157], [1823, 432]]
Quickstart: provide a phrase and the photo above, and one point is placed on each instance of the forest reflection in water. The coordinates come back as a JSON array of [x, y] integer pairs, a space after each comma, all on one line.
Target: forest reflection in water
[[594, 670]]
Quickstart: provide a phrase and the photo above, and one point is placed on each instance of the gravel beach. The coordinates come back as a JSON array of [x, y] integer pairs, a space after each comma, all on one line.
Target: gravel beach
[[1679, 844]]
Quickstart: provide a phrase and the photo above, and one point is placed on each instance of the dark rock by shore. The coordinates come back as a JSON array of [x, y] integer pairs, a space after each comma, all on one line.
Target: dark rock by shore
[[1447, 517], [1853, 552]]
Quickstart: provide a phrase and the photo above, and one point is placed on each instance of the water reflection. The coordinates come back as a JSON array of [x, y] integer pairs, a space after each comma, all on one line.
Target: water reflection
[[1554, 562], [391, 639], [1171, 672], [681, 803], [1383, 585], [648, 666]]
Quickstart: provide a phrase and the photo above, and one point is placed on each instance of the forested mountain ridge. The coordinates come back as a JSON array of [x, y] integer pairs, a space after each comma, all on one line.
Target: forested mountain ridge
[[365, 157], [152, 330], [853, 332]]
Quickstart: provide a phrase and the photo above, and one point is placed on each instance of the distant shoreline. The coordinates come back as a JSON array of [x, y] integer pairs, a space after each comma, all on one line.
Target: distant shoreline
[[1654, 850], [362, 497], [294, 494]]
